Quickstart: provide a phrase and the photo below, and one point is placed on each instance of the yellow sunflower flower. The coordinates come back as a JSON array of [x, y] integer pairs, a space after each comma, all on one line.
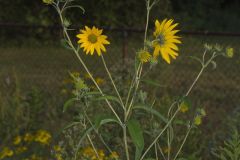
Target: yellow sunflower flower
[[92, 40], [165, 42]]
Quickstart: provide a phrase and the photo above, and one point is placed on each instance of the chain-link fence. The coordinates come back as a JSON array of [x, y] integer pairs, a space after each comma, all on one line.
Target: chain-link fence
[[47, 64]]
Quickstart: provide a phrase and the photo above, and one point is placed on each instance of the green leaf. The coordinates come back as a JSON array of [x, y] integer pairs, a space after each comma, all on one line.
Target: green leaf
[[136, 134], [93, 93], [110, 98], [180, 122], [83, 136], [75, 6], [196, 59], [68, 103], [152, 111], [71, 124], [214, 64], [65, 44], [103, 119], [151, 82]]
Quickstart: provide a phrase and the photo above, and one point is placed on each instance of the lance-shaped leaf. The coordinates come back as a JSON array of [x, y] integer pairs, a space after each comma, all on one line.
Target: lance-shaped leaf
[[136, 134]]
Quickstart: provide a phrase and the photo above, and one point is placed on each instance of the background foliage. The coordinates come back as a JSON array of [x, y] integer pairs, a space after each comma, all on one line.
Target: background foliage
[[217, 15]]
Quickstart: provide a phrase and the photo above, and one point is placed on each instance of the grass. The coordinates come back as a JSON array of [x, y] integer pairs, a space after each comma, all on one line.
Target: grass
[[47, 66]]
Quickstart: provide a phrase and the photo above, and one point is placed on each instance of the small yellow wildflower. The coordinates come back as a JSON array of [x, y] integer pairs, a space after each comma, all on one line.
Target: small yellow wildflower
[[92, 40], [198, 120], [17, 140], [144, 56], [28, 137], [100, 81], [58, 156], [101, 153], [165, 42], [35, 157], [57, 148], [184, 107], [43, 137], [114, 155], [20, 150], [166, 149], [75, 74], [6, 152], [87, 76], [87, 151], [203, 112]]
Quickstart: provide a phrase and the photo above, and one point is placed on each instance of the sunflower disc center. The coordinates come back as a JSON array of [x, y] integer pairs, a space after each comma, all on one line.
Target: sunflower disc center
[[92, 38], [161, 39]]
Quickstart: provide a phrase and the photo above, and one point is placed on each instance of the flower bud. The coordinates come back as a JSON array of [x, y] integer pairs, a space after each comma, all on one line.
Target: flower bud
[[229, 52], [207, 46], [218, 47]]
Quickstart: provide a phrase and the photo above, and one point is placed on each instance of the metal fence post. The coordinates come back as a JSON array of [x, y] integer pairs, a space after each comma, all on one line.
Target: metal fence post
[[124, 53], [124, 46]]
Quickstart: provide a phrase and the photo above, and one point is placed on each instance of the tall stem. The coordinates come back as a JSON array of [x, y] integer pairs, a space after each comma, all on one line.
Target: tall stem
[[195, 81], [184, 140], [147, 21], [139, 71], [100, 137], [156, 151], [125, 141], [135, 91], [110, 76], [160, 134], [132, 85], [94, 148], [178, 109]]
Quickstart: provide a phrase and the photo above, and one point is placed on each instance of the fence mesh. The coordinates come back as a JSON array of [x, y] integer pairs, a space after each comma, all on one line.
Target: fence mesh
[[47, 65]]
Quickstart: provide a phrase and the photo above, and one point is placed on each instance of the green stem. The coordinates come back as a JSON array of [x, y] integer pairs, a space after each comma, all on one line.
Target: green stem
[[167, 125], [125, 141], [139, 70], [132, 85], [185, 138], [174, 115], [94, 148], [160, 149], [147, 21], [169, 133], [195, 81], [156, 152], [110, 76], [160, 134], [100, 137], [134, 94]]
